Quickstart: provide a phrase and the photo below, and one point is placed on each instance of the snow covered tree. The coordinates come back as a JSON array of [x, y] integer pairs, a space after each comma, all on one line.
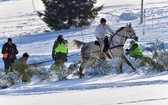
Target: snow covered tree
[[63, 14]]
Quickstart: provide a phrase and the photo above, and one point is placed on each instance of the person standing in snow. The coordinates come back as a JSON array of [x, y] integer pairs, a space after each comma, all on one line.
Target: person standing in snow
[[102, 32], [9, 51], [60, 50]]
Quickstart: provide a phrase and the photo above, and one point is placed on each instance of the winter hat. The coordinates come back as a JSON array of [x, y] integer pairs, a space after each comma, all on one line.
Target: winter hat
[[132, 41], [9, 40], [60, 38], [102, 20], [26, 55]]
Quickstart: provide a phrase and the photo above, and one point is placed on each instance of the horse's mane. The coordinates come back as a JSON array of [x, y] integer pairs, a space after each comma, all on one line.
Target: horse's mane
[[119, 29]]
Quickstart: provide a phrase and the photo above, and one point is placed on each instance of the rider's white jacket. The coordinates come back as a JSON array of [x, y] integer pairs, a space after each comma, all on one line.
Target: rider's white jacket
[[102, 31]]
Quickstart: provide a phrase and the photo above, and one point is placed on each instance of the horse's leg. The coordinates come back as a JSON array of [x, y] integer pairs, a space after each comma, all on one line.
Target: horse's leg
[[129, 63], [82, 66], [81, 70], [120, 62], [85, 63]]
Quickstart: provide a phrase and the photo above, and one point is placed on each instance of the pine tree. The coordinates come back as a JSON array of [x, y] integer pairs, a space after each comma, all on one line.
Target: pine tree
[[63, 14]]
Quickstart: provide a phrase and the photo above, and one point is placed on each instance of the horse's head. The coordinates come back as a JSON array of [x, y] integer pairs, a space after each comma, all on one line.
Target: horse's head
[[131, 33]]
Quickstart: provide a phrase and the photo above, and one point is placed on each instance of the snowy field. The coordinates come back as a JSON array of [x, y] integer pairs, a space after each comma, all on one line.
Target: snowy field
[[19, 20]]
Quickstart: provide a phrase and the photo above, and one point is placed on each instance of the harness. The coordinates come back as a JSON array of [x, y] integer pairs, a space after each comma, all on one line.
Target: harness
[[109, 53]]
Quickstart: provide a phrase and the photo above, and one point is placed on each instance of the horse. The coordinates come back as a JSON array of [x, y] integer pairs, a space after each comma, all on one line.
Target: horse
[[92, 50]]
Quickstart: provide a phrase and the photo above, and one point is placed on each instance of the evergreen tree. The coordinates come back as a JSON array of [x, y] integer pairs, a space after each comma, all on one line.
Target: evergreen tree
[[62, 14]]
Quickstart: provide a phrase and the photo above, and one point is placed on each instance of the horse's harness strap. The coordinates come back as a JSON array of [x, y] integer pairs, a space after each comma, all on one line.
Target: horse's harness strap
[[116, 46], [109, 53]]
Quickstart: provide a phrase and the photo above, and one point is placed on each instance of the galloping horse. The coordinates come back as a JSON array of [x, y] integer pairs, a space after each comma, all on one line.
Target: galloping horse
[[91, 50]]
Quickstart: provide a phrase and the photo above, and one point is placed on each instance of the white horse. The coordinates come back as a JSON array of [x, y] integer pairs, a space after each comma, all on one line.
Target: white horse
[[91, 50]]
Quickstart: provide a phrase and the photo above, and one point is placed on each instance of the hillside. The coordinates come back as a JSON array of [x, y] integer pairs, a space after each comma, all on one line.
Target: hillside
[[130, 88]]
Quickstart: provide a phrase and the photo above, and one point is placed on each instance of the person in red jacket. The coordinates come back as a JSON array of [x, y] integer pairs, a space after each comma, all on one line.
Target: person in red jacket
[[9, 51]]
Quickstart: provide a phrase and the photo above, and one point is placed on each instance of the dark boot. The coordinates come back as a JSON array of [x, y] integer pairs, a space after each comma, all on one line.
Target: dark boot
[[106, 44], [80, 73]]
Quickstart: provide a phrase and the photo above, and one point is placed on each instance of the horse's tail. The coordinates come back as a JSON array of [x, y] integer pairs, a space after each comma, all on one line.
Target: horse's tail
[[76, 43]]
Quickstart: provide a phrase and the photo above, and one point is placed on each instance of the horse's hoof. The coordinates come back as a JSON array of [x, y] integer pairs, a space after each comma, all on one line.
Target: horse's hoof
[[81, 75]]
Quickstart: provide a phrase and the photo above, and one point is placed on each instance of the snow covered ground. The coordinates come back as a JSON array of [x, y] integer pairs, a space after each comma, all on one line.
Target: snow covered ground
[[19, 20]]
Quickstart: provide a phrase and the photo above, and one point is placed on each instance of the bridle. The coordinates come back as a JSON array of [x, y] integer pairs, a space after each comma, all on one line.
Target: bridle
[[110, 54], [126, 37]]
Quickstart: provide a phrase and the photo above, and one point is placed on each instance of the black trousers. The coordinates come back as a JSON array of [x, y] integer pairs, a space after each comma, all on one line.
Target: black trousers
[[60, 57], [8, 64], [106, 44]]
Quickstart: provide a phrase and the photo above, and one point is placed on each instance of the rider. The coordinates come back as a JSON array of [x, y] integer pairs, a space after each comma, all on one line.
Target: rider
[[102, 31], [134, 50]]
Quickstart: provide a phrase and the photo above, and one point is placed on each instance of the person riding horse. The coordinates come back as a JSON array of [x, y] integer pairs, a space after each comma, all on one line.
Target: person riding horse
[[91, 51], [102, 32]]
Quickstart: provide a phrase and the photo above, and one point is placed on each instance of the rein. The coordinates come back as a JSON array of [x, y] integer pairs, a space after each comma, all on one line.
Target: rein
[[117, 35]]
